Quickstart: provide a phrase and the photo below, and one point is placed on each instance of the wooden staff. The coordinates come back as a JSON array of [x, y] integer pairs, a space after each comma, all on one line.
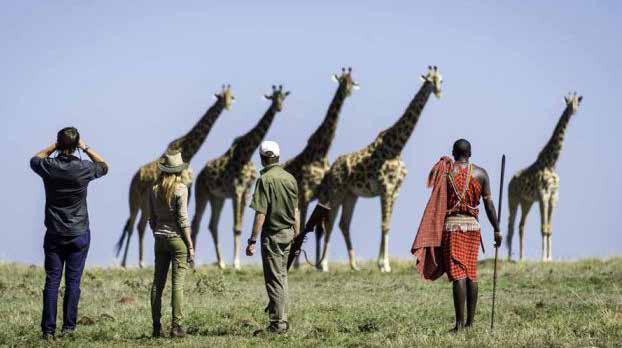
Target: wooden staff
[[494, 277]]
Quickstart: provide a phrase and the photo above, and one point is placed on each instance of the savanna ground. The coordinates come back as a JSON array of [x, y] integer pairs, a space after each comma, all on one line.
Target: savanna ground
[[564, 304]]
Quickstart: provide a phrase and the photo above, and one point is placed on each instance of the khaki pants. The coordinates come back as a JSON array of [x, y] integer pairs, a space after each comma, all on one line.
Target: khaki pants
[[275, 247], [169, 250]]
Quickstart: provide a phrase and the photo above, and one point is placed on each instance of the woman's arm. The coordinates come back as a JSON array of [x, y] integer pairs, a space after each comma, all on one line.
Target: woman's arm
[[181, 196]]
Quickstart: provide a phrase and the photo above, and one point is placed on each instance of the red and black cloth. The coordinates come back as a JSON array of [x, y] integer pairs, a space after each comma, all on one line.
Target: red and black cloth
[[437, 249]]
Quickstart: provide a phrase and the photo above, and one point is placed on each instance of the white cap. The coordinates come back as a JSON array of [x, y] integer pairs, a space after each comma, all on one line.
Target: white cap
[[269, 149]]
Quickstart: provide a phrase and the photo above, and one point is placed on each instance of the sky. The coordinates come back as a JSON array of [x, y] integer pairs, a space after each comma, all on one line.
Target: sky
[[132, 76]]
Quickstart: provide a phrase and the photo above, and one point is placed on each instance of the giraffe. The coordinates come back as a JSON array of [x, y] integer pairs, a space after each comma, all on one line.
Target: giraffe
[[376, 170], [539, 182], [146, 176], [231, 176], [310, 165]]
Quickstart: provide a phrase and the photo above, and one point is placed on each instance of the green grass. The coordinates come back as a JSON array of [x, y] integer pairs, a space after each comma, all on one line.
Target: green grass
[[569, 304]]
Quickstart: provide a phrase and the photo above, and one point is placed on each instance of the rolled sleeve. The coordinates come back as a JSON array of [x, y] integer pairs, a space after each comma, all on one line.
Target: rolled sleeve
[[259, 203], [99, 169], [36, 164], [181, 198]]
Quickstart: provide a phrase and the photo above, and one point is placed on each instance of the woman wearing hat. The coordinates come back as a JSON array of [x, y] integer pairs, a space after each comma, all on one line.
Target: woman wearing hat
[[168, 203]]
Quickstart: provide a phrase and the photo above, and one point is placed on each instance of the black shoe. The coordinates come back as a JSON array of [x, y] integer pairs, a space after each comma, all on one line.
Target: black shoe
[[178, 331], [276, 329], [47, 336], [157, 331], [67, 332]]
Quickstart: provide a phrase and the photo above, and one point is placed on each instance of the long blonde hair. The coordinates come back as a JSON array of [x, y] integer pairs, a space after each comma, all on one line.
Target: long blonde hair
[[167, 182]]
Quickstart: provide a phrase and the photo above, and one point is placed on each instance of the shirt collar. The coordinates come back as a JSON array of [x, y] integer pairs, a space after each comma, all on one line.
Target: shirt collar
[[269, 166], [67, 158]]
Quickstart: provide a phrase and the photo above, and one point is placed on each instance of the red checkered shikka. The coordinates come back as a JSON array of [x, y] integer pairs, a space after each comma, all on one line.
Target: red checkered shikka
[[460, 251]]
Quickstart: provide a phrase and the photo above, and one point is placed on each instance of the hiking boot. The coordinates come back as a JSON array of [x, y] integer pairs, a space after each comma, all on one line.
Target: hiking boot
[[275, 329], [67, 332], [278, 329], [157, 331], [178, 331]]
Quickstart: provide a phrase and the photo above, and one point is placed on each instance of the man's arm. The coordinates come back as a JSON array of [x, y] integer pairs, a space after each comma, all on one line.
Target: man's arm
[[259, 203], [489, 205], [297, 222], [257, 225], [260, 218], [47, 151], [93, 155]]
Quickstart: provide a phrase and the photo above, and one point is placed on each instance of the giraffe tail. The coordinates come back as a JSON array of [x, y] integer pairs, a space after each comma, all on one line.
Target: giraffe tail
[[124, 234]]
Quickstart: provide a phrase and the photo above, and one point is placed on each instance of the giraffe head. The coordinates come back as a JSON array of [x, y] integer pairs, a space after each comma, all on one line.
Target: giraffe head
[[225, 96], [435, 79], [345, 80], [572, 101], [277, 97]]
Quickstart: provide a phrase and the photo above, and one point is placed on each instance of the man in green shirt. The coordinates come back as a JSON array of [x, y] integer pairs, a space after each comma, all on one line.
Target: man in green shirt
[[275, 202]]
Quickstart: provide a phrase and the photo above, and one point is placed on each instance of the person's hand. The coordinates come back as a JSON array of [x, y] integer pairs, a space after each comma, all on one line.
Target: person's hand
[[498, 239], [191, 257], [250, 250], [82, 144]]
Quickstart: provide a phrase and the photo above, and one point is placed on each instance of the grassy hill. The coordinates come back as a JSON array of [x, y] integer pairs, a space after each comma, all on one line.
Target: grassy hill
[[566, 304]]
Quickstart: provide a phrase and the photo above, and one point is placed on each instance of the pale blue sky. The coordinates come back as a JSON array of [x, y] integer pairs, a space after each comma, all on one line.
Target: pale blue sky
[[132, 76]]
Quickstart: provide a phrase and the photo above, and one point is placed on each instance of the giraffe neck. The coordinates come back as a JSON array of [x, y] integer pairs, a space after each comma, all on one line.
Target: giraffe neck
[[190, 143], [550, 153], [394, 138], [320, 141], [245, 146]]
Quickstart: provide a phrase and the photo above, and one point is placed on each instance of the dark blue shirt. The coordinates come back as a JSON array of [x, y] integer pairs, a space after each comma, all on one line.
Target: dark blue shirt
[[66, 179]]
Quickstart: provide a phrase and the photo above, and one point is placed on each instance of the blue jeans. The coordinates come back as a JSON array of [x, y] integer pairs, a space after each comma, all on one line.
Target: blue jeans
[[69, 252]]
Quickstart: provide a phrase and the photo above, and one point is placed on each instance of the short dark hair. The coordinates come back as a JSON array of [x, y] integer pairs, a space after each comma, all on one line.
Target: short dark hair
[[462, 148], [67, 139], [265, 160]]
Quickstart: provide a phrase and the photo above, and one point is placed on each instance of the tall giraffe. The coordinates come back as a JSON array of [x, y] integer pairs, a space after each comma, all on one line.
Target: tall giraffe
[[539, 182], [309, 166], [376, 170], [231, 176], [147, 175]]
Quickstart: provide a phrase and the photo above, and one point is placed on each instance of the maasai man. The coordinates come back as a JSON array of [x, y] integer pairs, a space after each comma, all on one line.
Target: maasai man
[[449, 236]]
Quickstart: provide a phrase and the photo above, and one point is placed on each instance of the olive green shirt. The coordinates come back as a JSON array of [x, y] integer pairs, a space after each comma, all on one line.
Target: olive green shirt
[[276, 196]]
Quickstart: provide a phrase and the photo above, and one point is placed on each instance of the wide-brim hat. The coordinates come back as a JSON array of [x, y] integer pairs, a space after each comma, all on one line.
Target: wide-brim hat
[[172, 162]]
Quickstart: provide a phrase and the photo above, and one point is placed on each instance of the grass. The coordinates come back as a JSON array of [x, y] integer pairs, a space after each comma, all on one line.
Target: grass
[[566, 304]]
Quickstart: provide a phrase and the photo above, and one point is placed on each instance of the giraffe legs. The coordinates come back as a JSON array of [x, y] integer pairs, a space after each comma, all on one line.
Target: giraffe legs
[[216, 205], [200, 201], [302, 207], [142, 227], [386, 202], [513, 205], [323, 261], [524, 211], [544, 223], [348, 204], [239, 201], [549, 229]]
